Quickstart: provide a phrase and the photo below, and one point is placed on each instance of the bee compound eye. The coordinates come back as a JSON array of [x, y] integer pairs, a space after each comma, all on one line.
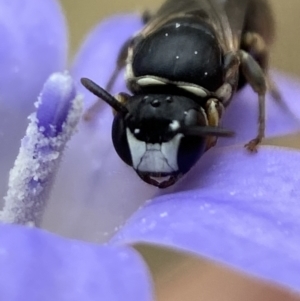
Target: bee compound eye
[[189, 152], [190, 117], [119, 139]]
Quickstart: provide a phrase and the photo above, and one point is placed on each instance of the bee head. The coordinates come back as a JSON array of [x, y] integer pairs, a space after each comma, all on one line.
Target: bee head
[[161, 136]]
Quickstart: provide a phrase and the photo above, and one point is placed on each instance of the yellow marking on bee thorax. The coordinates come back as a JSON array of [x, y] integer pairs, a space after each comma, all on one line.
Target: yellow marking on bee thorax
[[214, 110], [213, 115]]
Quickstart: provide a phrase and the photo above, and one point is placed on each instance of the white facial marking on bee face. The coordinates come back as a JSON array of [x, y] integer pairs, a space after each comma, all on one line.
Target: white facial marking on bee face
[[154, 157], [137, 148]]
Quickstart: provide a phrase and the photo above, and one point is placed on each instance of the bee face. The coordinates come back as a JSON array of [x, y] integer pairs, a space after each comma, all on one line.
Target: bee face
[[151, 138]]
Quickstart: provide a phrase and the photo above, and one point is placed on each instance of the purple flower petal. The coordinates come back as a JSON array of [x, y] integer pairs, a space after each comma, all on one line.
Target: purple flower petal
[[36, 265], [239, 209], [33, 45], [95, 192]]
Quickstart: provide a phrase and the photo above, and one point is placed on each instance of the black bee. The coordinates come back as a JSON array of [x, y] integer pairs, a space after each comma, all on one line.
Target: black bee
[[183, 68]]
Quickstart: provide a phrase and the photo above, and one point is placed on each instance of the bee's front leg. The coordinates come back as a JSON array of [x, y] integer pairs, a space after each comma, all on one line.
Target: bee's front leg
[[255, 76]]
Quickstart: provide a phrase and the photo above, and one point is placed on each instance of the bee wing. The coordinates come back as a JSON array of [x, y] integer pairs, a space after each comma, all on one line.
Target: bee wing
[[231, 16], [241, 16], [226, 16]]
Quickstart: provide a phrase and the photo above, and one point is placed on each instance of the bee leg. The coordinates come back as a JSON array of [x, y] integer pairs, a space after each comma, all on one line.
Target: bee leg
[[255, 44], [214, 110], [255, 76], [121, 63], [123, 54], [231, 66]]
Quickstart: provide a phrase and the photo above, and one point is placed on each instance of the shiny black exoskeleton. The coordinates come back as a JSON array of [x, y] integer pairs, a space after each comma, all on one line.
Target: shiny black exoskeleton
[[183, 69], [183, 49]]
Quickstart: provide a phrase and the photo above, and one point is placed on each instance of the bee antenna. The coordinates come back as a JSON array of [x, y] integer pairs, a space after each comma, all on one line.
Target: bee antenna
[[104, 95], [206, 131]]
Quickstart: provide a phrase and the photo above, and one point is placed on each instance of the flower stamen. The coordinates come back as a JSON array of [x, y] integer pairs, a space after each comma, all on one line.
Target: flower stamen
[[59, 109]]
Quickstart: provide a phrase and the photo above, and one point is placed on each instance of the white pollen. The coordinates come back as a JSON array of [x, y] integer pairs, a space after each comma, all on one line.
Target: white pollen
[[137, 131], [177, 57], [205, 73], [166, 34], [177, 25], [196, 52]]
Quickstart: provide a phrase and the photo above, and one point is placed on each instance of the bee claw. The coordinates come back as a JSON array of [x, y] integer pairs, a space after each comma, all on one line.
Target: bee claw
[[252, 145]]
